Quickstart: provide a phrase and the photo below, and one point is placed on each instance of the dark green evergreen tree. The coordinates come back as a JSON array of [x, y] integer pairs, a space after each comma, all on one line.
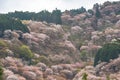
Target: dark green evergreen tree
[[56, 16], [107, 52], [74, 12], [44, 16], [90, 11], [22, 15], [97, 11], [11, 23]]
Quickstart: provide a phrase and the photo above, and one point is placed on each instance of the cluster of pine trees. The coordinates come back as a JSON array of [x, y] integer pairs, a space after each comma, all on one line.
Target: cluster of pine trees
[[44, 15], [11, 23]]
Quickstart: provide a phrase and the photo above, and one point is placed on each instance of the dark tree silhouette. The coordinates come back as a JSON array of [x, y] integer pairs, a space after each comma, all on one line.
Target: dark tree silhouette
[[11, 23], [107, 52]]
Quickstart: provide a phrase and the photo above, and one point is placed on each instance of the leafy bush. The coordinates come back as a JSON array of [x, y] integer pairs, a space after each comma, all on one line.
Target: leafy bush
[[42, 59], [2, 44], [3, 47], [109, 51], [21, 51], [25, 52], [76, 38], [84, 77], [3, 53], [1, 73], [83, 55]]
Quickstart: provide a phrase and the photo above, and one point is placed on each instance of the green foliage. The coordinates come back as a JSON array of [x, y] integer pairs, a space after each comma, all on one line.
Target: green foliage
[[1, 73], [77, 11], [42, 59], [77, 39], [118, 12], [11, 23], [44, 15], [3, 53], [20, 50], [56, 16], [97, 11], [25, 52], [108, 77], [22, 15], [84, 77], [90, 11], [83, 55], [2, 44], [78, 70], [107, 52]]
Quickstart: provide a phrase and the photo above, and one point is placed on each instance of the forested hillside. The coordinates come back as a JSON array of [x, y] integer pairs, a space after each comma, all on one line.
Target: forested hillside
[[76, 44]]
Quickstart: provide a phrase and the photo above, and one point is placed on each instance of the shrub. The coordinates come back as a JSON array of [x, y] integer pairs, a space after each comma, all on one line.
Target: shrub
[[83, 55], [3, 53], [97, 11], [25, 52], [1, 73], [2, 44], [109, 51], [42, 59], [21, 51], [108, 77], [84, 77]]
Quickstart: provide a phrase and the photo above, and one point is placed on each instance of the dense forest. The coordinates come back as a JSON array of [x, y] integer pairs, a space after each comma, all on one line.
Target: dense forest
[[12, 19], [44, 15], [7, 22]]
